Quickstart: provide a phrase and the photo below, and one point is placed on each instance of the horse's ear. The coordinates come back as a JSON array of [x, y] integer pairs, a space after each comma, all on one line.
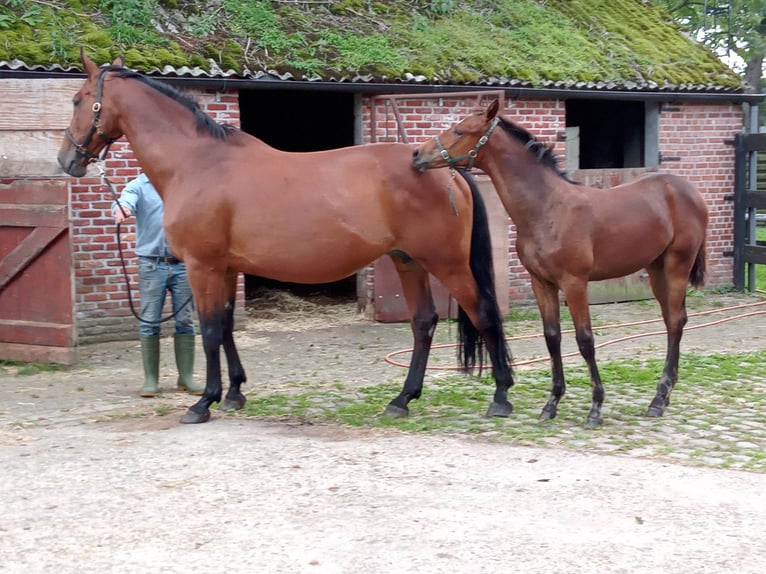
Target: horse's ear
[[88, 65], [119, 61], [492, 110]]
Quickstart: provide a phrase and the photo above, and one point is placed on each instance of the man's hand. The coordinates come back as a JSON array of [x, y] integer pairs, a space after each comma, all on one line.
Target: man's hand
[[118, 216]]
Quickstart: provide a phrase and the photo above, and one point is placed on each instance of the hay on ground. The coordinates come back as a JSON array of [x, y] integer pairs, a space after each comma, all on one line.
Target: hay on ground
[[281, 310]]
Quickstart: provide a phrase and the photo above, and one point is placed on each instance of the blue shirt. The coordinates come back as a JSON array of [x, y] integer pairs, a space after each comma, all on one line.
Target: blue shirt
[[146, 204]]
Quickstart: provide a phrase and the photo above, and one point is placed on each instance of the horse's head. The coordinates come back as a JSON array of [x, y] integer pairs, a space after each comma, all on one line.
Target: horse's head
[[460, 145], [91, 129]]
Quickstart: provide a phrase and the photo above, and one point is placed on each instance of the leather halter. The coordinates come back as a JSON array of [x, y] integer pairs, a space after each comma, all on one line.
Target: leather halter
[[95, 126], [471, 155]]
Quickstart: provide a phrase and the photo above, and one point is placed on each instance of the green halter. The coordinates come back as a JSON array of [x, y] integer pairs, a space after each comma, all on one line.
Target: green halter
[[471, 155]]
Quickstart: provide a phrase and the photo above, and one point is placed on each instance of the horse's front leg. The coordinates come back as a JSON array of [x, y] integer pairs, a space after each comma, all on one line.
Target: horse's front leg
[[212, 335], [234, 400], [576, 293], [209, 298], [547, 297], [423, 320]]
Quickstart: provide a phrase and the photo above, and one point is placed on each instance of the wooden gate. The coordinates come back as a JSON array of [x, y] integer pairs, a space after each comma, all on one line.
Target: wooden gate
[[748, 251], [36, 297]]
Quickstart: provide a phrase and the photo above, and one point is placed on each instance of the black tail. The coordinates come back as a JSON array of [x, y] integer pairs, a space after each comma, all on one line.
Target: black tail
[[472, 346], [699, 269]]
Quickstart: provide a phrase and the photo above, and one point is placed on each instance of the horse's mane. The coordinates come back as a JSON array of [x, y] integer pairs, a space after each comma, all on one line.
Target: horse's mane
[[543, 152], [204, 121]]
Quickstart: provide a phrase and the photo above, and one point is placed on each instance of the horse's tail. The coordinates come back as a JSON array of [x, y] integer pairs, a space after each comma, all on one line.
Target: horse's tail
[[471, 343], [697, 275]]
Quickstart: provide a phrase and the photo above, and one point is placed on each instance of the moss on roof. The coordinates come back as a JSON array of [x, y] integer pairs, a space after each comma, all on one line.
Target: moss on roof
[[446, 41]]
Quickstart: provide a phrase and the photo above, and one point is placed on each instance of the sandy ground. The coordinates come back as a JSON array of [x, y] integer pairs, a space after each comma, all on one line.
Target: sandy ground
[[90, 486]]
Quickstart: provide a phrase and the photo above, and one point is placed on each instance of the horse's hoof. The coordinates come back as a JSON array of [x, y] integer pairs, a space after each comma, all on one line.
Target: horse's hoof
[[192, 417], [502, 410], [396, 412], [655, 412], [233, 404], [593, 422], [548, 414]]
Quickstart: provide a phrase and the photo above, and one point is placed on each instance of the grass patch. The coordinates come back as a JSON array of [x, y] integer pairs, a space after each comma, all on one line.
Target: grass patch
[[717, 415], [760, 270], [26, 369], [523, 313]]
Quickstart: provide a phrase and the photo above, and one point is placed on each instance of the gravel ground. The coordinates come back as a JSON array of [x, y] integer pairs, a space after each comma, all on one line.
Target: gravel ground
[[98, 480]]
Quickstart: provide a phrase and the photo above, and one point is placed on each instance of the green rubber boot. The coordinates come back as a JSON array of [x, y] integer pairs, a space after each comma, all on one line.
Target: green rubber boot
[[150, 353], [184, 349]]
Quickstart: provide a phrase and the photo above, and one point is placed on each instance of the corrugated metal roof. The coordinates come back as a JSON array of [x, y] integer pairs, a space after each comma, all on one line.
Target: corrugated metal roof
[[246, 74]]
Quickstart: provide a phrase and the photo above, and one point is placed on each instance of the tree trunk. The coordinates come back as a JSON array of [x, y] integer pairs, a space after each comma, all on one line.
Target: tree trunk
[[753, 73]]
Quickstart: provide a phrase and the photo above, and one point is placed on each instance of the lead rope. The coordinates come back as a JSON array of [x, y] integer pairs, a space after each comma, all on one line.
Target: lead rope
[[470, 156], [105, 181], [449, 191]]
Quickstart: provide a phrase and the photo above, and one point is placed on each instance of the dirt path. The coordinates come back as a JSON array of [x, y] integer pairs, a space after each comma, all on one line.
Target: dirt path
[[91, 486]]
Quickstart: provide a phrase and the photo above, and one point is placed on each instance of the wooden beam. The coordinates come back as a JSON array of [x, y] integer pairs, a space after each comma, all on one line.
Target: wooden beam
[[34, 215], [36, 333], [39, 104], [755, 142], [755, 254], [33, 154], [26, 252], [756, 199], [38, 354], [36, 192]]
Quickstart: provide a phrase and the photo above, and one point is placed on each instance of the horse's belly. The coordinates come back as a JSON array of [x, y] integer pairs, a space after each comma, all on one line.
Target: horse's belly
[[622, 264], [305, 266], [627, 248]]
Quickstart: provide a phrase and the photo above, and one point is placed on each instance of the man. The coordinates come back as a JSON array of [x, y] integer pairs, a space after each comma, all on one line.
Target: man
[[158, 272]]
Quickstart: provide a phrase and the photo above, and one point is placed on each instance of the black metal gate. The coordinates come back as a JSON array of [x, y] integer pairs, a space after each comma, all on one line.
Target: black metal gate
[[748, 199]]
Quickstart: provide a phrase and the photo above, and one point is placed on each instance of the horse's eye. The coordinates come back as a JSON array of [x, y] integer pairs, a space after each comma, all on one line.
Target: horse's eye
[[458, 133]]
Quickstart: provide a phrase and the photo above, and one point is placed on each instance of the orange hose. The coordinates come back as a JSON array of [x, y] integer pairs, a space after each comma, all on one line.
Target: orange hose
[[389, 357]]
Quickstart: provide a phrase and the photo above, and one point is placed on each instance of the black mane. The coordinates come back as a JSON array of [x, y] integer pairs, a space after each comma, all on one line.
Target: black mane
[[543, 152], [204, 122]]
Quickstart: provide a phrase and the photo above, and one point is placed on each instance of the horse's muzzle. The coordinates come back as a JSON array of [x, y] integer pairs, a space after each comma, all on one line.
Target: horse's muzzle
[[71, 163], [418, 162]]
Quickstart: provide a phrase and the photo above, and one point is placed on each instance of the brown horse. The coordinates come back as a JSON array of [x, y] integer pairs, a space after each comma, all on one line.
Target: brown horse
[[233, 204], [568, 235]]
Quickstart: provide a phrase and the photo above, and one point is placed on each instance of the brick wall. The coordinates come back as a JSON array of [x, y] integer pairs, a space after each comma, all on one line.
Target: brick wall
[[695, 133], [102, 307]]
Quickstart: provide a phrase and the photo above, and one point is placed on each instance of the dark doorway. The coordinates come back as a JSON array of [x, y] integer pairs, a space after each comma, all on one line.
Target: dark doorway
[[324, 120], [612, 132]]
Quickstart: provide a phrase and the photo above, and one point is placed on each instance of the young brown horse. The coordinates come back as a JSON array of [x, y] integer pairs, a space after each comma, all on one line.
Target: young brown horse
[[233, 204], [568, 235]]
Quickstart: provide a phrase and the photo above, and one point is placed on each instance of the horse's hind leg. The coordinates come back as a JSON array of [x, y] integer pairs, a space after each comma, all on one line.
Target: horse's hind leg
[[490, 326], [423, 319], [481, 325], [670, 290], [234, 400]]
